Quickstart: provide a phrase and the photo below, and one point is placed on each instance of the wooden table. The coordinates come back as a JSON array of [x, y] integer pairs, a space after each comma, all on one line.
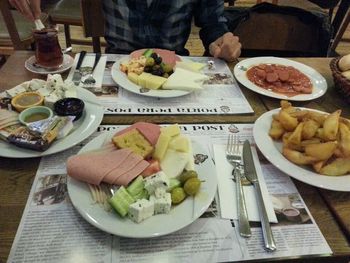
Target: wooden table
[[330, 209]]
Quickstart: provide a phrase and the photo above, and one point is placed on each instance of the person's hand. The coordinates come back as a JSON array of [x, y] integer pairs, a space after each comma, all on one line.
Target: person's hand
[[226, 47], [29, 8]]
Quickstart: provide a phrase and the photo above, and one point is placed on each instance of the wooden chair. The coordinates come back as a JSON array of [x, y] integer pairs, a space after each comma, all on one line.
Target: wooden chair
[[15, 30], [68, 13], [93, 22]]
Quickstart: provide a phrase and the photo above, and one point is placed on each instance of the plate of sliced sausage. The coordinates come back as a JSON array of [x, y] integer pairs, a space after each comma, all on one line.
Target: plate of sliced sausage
[[280, 78]]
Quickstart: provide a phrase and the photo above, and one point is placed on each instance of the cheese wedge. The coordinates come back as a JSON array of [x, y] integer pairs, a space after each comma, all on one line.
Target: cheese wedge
[[171, 130], [179, 143], [183, 79], [174, 163], [190, 65], [161, 146]]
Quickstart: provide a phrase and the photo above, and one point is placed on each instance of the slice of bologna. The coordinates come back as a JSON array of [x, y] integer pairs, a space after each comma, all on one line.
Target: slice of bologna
[[127, 177], [129, 163], [92, 168], [168, 56], [149, 130]]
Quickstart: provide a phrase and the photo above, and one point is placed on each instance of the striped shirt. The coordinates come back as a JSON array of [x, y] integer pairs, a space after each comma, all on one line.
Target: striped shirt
[[132, 24]]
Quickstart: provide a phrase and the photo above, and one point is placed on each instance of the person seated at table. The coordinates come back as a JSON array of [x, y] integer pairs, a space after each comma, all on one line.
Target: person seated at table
[[132, 25]]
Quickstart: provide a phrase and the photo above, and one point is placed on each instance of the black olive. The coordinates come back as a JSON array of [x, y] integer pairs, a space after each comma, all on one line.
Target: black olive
[[147, 69], [154, 56], [158, 60]]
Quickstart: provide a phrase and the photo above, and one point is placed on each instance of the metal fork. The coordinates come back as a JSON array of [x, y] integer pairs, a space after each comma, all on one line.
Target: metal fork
[[233, 156]]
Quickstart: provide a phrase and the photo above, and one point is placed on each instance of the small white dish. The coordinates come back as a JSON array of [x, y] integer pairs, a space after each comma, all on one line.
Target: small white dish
[[44, 111], [179, 217], [31, 65], [272, 150], [318, 81]]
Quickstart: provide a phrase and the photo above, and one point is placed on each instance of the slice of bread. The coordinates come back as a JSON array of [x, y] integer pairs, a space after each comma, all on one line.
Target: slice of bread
[[135, 141]]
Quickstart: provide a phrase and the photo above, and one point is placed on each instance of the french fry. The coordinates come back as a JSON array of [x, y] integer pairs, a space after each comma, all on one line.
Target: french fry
[[295, 137]]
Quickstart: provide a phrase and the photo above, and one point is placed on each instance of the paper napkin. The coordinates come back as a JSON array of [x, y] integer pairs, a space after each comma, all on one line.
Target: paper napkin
[[88, 61], [227, 189]]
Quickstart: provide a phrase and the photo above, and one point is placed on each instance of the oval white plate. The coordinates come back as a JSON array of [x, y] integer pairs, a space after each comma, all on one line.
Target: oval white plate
[[318, 81], [31, 66], [158, 225], [272, 150], [83, 128], [122, 80]]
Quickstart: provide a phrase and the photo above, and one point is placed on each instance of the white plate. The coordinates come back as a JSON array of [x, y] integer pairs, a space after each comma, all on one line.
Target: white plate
[[83, 128], [31, 66], [318, 81], [122, 80], [158, 225], [272, 151]]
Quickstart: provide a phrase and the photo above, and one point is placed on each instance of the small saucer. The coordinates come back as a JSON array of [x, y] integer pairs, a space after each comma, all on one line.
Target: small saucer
[[31, 65]]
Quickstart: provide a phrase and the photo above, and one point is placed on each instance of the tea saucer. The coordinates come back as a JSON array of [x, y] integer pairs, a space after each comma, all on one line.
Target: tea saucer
[[31, 65]]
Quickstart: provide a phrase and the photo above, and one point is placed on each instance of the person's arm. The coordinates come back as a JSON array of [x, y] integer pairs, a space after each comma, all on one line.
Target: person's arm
[[29, 8], [209, 16]]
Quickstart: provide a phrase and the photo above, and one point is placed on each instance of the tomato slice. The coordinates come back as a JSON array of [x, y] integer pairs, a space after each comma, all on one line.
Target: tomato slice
[[153, 168]]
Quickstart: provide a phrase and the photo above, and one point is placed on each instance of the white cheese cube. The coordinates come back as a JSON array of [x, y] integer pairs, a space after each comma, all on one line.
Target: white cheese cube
[[36, 84], [141, 210], [162, 205], [160, 191], [157, 180], [50, 100], [44, 91]]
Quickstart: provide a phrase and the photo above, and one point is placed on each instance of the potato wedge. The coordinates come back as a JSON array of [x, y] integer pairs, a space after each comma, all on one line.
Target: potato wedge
[[309, 129], [317, 116], [321, 151], [288, 122], [339, 166], [344, 139], [318, 166], [295, 138], [298, 157], [276, 130], [331, 126]]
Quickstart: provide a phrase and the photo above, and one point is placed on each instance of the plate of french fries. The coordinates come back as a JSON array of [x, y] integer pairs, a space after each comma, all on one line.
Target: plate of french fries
[[308, 145]]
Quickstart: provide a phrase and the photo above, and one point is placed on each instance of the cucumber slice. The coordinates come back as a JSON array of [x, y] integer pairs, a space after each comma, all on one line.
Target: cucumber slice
[[120, 201], [173, 182], [136, 186], [142, 195], [148, 53]]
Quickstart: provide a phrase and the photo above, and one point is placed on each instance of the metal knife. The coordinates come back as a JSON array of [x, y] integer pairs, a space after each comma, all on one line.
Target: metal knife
[[77, 74], [250, 172]]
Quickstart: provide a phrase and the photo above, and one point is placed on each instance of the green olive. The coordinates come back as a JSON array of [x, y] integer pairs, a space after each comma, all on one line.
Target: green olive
[[167, 68], [192, 186], [149, 62], [187, 175], [177, 195]]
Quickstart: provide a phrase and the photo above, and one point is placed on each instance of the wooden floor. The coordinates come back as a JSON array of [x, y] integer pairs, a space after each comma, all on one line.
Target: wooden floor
[[194, 44]]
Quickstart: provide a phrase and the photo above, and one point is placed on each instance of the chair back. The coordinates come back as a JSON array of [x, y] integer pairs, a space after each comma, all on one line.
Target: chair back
[[272, 30], [11, 37], [93, 21]]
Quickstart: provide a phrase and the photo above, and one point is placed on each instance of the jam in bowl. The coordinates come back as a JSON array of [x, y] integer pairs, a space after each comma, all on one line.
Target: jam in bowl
[[69, 107]]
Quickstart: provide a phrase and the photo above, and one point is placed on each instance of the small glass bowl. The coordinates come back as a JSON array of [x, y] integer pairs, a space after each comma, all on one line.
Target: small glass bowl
[[69, 107]]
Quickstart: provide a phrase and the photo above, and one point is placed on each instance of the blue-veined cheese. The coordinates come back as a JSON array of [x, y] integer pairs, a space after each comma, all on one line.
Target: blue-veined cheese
[[141, 210], [157, 180], [162, 205]]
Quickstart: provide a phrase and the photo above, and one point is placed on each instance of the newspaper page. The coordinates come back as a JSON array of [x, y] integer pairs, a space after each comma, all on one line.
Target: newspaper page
[[51, 230], [220, 94]]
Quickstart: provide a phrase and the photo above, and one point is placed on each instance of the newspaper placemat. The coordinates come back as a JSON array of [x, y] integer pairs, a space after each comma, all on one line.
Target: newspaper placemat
[[51, 230], [220, 95]]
